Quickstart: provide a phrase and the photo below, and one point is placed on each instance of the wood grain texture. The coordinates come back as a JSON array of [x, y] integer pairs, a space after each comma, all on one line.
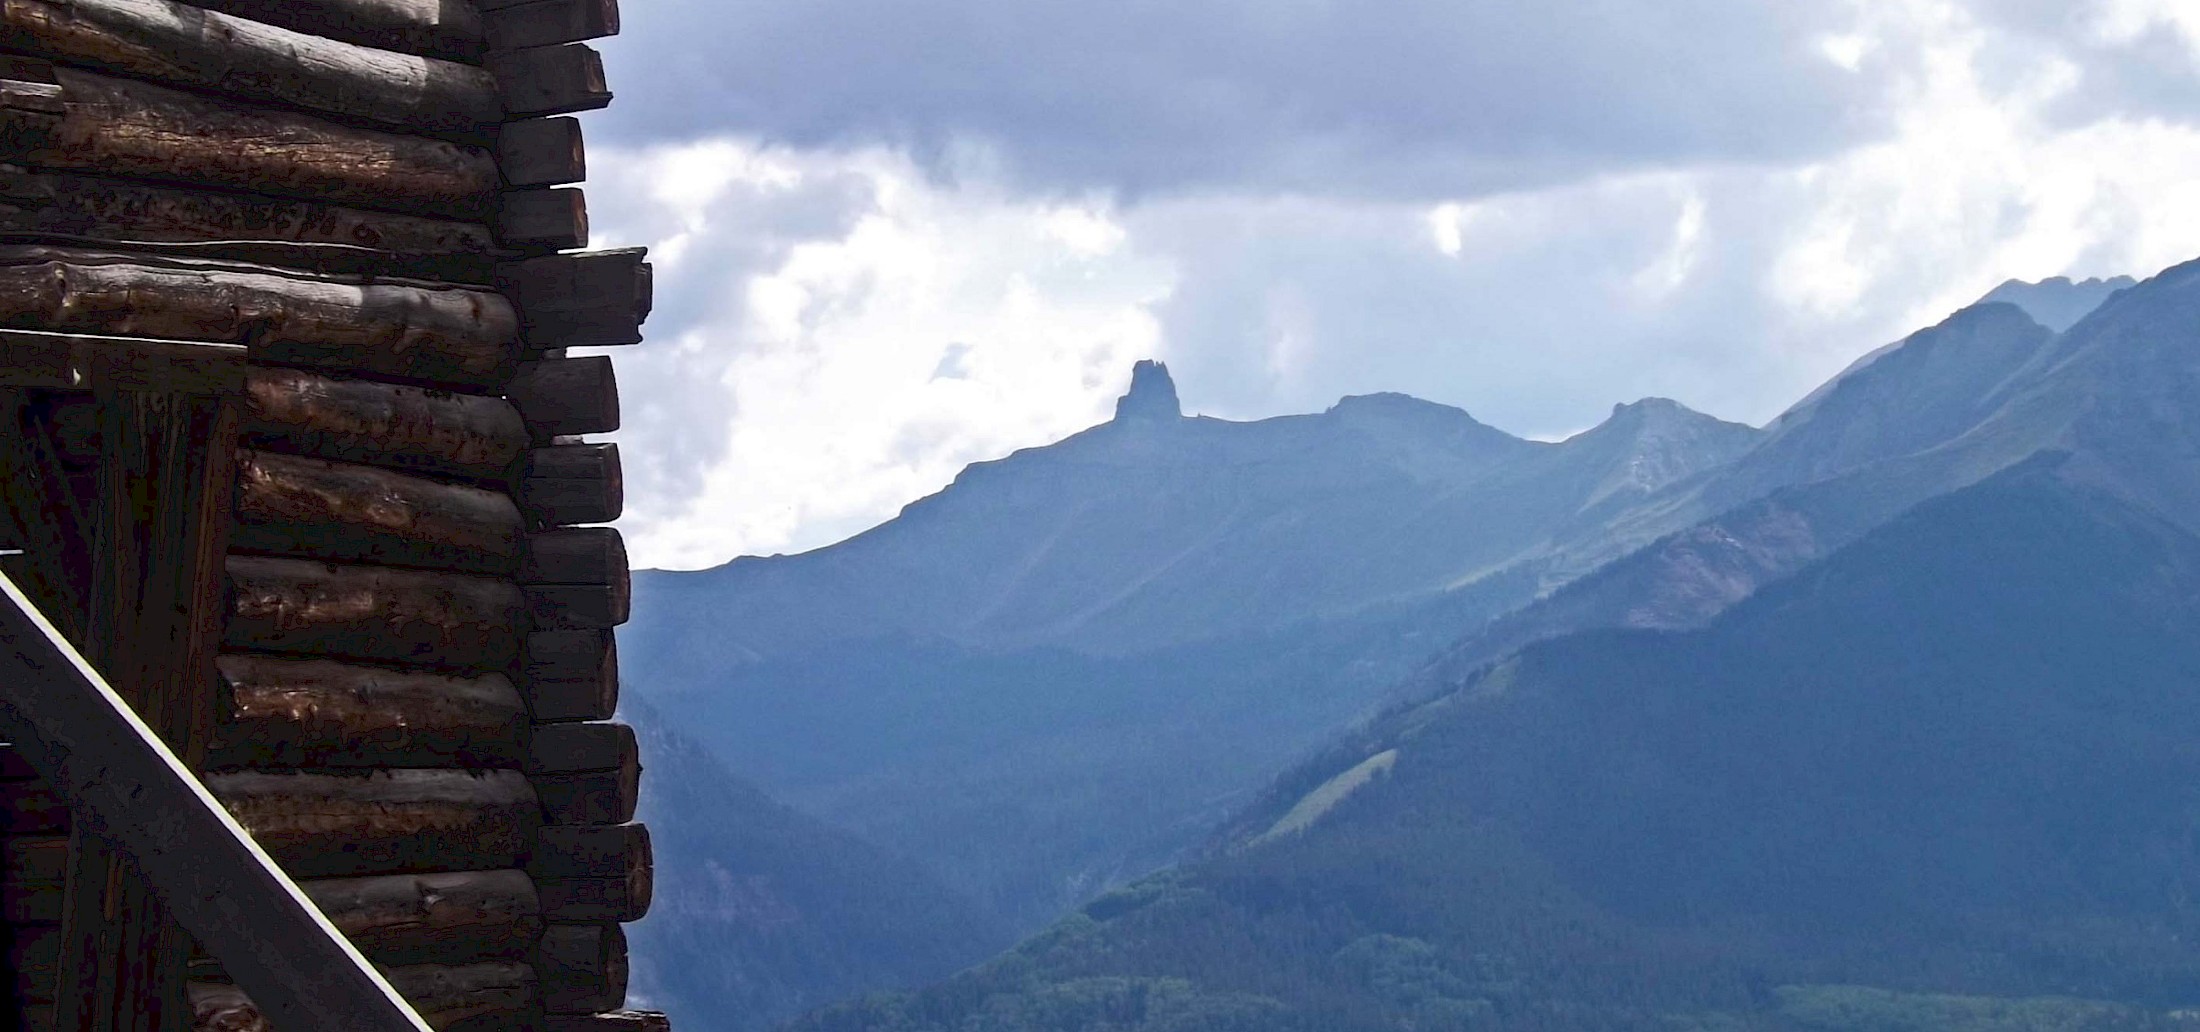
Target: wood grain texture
[[542, 152], [384, 822], [543, 23], [556, 80], [583, 968], [347, 512], [443, 918], [591, 299], [490, 997], [437, 620], [572, 484], [437, 28], [317, 713], [382, 423], [567, 397], [580, 555], [570, 675]]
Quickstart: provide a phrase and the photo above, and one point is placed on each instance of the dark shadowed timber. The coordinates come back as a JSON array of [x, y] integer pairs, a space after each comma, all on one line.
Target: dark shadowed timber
[[31, 808], [583, 968], [543, 220], [599, 797], [618, 852], [437, 28], [573, 484], [384, 424], [556, 80], [101, 209], [543, 23], [34, 959], [447, 621], [74, 362], [124, 127], [570, 675], [578, 607], [580, 748], [33, 873], [622, 1021], [583, 555], [288, 505], [542, 152], [429, 333], [13, 767], [492, 997], [567, 397], [321, 713], [191, 46], [584, 900], [453, 918], [596, 299], [384, 822]]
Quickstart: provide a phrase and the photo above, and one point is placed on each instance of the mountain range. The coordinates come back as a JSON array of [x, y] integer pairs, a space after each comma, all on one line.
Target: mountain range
[[1067, 669]]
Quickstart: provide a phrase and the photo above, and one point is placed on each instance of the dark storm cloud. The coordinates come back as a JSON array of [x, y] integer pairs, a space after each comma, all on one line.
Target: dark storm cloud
[[1399, 97]]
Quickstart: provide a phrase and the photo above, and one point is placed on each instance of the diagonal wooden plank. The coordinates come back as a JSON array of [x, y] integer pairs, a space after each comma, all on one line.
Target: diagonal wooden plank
[[124, 784]]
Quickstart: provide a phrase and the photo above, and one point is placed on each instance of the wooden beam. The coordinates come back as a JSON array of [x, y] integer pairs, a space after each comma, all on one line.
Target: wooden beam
[[545, 23], [127, 786], [594, 299], [77, 362], [197, 48], [345, 512], [468, 998], [444, 918], [542, 152], [437, 620], [586, 773], [583, 555], [583, 968], [381, 423], [548, 220], [429, 333], [570, 676], [584, 900], [123, 127], [620, 852], [573, 484], [556, 80], [436, 28], [577, 607], [317, 713], [567, 397], [621, 1021], [384, 821]]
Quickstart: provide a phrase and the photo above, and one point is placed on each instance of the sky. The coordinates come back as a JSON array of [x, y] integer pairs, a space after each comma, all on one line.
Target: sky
[[894, 237]]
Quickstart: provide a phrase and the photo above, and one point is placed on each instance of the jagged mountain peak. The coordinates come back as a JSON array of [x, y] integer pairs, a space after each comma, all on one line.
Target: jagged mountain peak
[[1152, 396], [2058, 302]]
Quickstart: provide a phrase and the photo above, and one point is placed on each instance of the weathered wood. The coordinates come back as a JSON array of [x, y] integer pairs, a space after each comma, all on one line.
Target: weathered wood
[[542, 152], [194, 47], [578, 748], [583, 968], [586, 773], [75, 362], [129, 788], [384, 822], [31, 808], [545, 23], [622, 1021], [581, 555], [384, 424], [34, 874], [123, 127], [493, 997], [595, 299], [341, 511], [97, 208], [556, 80], [425, 333], [573, 484], [33, 956], [323, 714], [571, 676], [618, 852], [550, 220], [584, 900], [577, 607], [436, 28], [445, 918], [566, 397], [445, 621]]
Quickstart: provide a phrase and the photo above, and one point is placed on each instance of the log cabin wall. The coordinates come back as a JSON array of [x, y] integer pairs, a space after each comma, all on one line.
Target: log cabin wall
[[416, 662]]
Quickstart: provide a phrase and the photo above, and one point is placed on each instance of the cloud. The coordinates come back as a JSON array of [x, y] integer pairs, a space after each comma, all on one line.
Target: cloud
[[1414, 98]]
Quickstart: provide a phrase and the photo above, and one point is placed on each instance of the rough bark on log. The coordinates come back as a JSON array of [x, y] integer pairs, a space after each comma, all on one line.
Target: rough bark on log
[[384, 424], [618, 852], [545, 23], [542, 152], [426, 333], [450, 918], [384, 822], [583, 968], [621, 1021], [556, 80], [115, 209], [573, 484], [543, 220], [567, 397], [194, 47], [581, 555], [494, 997], [445, 621], [123, 127], [436, 28], [597, 797], [577, 607], [570, 675], [596, 299], [341, 511], [583, 900], [320, 713]]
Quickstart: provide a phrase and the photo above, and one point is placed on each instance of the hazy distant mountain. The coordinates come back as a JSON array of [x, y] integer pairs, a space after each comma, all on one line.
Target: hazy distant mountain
[[2058, 303], [762, 913], [1942, 780]]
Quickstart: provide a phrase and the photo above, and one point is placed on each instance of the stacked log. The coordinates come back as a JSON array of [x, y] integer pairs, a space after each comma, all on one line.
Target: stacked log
[[376, 199]]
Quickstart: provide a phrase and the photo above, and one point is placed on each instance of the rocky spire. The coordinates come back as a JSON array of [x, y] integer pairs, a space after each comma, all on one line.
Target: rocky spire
[[1152, 395]]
